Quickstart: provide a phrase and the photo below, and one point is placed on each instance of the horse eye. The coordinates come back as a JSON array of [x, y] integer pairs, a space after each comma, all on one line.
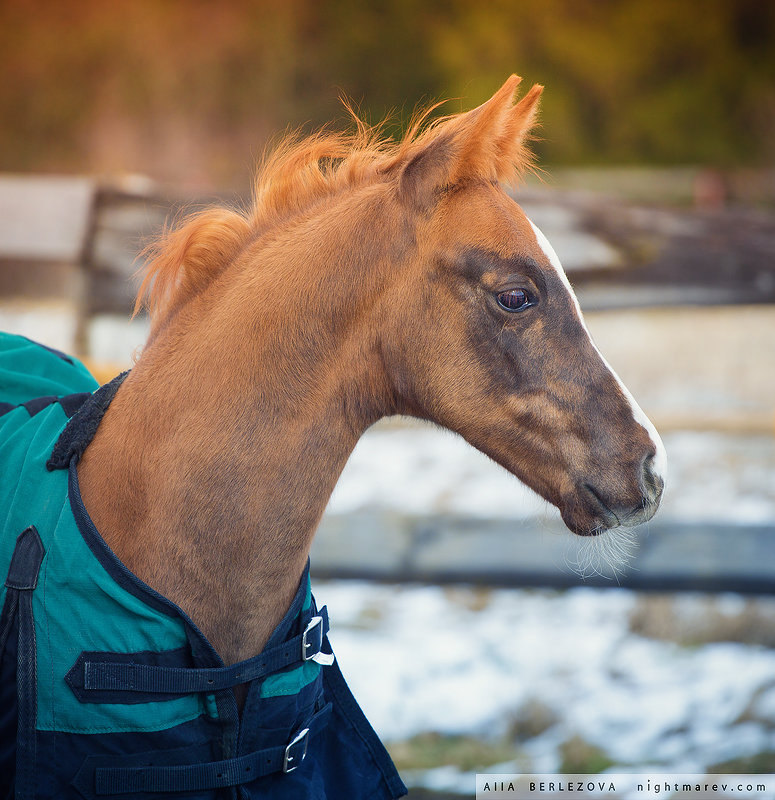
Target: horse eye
[[514, 300]]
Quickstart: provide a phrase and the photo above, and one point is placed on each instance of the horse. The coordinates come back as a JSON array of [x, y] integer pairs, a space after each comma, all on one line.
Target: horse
[[367, 278]]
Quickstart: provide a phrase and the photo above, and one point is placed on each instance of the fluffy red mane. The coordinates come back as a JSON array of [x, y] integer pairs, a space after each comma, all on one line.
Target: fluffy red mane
[[487, 143]]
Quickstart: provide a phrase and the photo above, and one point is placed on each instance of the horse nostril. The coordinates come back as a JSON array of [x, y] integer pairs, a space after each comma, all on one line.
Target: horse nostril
[[653, 484]]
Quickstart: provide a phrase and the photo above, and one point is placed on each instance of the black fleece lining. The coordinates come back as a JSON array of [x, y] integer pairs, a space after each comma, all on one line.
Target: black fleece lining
[[77, 434]]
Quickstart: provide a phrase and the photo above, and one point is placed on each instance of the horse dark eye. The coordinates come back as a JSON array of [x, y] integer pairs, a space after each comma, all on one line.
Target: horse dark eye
[[514, 300]]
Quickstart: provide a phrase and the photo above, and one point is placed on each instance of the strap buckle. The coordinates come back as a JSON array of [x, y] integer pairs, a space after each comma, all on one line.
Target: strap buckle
[[312, 643], [296, 751]]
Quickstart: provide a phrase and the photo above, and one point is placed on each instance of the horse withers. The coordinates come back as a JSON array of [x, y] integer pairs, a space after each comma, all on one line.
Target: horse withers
[[157, 532]]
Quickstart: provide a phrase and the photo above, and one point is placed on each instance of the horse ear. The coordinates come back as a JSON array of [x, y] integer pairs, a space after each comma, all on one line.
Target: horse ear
[[481, 131], [519, 122], [485, 143]]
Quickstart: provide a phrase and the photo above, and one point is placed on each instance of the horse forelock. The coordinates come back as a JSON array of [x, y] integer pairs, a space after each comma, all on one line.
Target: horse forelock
[[301, 172]]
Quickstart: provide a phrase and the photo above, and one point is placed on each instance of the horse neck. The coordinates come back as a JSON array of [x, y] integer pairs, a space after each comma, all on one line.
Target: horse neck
[[215, 461]]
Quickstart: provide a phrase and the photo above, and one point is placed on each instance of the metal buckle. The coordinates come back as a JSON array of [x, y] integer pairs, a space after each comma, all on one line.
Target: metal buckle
[[318, 656], [315, 622], [297, 739]]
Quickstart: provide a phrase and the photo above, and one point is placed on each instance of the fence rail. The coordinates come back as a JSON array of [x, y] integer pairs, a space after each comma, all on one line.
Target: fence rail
[[669, 556]]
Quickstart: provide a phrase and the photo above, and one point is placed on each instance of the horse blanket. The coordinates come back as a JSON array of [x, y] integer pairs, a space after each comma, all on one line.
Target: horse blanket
[[107, 688]]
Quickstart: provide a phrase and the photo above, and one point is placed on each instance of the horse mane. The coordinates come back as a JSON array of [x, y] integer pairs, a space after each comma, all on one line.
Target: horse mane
[[301, 171]]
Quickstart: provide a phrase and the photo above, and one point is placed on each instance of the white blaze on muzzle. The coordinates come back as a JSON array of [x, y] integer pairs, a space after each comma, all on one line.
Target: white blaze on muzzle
[[659, 466]]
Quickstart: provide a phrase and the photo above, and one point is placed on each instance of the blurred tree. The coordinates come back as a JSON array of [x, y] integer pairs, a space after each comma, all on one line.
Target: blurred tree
[[191, 91]]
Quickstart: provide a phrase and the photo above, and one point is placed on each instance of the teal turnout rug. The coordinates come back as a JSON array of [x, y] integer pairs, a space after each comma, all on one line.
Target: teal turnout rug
[[108, 689]]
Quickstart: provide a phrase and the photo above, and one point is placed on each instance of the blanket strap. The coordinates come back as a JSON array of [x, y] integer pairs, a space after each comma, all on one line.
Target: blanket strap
[[20, 584], [214, 775], [99, 674]]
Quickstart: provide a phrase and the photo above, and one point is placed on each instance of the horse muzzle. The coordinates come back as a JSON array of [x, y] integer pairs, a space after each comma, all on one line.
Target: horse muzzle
[[593, 510]]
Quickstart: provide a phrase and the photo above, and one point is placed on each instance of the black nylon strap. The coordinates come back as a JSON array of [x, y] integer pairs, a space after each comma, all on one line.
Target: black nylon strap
[[216, 774], [20, 583], [27, 697], [147, 678], [7, 617], [25, 561], [70, 404]]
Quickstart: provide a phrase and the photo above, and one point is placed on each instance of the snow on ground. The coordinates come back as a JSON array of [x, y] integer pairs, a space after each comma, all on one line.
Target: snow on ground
[[423, 469], [111, 339], [716, 476], [459, 661]]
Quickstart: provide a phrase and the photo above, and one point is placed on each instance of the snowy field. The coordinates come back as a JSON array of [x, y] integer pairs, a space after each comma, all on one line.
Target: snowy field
[[549, 677]]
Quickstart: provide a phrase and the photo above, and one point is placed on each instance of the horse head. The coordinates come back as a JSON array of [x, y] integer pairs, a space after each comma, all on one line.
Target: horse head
[[486, 336], [372, 278]]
